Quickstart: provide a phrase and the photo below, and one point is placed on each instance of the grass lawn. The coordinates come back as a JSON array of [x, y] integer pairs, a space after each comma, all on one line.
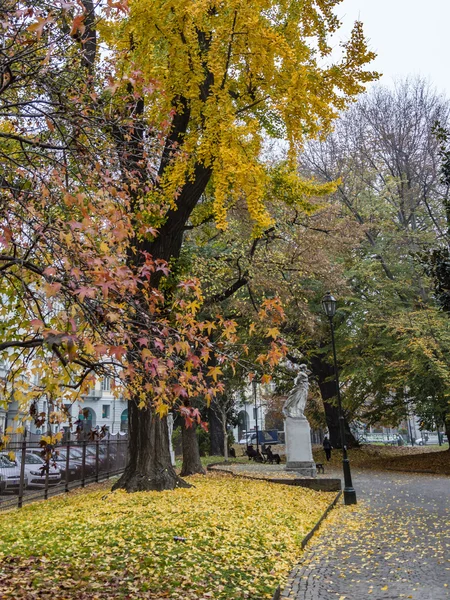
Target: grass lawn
[[432, 459], [206, 460], [241, 539]]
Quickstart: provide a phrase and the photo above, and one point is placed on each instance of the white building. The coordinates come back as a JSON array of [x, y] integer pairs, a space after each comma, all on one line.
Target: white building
[[102, 408], [99, 407], [250, 410]]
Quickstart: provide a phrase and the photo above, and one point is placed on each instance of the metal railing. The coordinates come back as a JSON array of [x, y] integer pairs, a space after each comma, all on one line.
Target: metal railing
[[31, 471]]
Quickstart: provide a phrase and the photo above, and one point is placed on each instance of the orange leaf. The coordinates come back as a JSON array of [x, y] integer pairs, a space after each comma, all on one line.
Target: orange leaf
[[78, 25]]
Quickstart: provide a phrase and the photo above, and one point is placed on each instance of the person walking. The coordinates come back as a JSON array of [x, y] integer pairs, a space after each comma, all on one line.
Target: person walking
[[327, 447]]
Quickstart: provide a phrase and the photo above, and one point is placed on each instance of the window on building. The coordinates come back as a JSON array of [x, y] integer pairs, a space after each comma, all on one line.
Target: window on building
[[106, 411], [124, 420], [106, 384]]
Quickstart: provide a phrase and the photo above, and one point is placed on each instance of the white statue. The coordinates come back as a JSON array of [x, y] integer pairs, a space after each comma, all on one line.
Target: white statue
[[170, 428], [299, 456], [296, 400]]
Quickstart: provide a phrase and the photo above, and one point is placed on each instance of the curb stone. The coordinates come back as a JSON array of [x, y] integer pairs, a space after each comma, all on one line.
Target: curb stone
[[309, 535], [422, 472], [318, 485]]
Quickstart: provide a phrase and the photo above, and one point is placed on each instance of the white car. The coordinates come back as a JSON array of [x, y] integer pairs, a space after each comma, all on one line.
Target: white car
[[34, 470], [10, 475]]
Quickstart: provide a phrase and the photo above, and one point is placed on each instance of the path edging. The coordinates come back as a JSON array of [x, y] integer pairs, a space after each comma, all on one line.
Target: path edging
[[420, 472], [309, 535], [318, 485]]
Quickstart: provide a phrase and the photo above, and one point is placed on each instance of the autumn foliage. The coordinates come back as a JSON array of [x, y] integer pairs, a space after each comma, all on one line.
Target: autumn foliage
[[106, 156], [225, 546]]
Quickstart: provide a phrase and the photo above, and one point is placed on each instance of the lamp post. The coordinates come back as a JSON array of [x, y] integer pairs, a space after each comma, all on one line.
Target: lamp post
[[329, 307], [256, 415]]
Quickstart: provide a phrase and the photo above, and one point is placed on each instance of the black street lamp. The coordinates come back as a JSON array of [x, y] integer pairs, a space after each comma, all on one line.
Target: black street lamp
[[329, 307], [256, 416]]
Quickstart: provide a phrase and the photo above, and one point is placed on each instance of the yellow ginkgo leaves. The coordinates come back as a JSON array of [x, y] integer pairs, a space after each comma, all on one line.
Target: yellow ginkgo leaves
[[229, 537], [235, 73]]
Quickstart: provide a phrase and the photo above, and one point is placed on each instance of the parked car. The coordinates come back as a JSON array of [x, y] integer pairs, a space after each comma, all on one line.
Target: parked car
[[75, 464], [76, 452], [264, 437], [91, 452], [10, 475], [432, 438], [34, 469], [60, 461]]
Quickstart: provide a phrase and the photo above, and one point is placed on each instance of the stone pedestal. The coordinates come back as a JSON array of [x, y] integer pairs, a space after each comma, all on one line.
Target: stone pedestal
[[298, 447], [170, 428]]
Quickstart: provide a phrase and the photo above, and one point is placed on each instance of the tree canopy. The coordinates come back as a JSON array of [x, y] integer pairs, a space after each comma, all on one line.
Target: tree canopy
[[170, 115]]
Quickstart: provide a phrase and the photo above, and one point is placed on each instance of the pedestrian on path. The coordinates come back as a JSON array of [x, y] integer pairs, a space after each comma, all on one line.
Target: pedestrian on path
[[327, 447]]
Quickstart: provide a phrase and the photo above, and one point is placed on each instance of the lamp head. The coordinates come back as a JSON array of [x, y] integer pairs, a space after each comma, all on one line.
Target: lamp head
[[329, 305]]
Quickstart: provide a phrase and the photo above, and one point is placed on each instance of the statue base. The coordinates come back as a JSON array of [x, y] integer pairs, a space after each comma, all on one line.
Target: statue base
[[307, 468], [298, 447]]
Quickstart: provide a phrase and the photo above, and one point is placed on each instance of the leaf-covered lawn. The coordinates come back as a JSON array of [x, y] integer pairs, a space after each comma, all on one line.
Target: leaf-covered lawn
[[432, 459], [241, 539]]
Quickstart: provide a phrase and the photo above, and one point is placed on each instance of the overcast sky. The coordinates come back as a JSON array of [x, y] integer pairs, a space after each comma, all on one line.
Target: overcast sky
[[411, 37]]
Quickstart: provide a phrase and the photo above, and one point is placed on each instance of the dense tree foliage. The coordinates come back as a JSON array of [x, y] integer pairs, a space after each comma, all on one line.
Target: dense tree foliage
[[393, 337], [128, 141]]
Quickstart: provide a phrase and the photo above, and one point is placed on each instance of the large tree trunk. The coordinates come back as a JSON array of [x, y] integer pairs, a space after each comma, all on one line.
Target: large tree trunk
[[149, 466], [191, 454], [327, 385], [216, 437], [447, 430]]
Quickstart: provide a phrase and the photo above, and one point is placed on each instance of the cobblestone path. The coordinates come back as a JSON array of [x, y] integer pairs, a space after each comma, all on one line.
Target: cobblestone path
[[394, 544]]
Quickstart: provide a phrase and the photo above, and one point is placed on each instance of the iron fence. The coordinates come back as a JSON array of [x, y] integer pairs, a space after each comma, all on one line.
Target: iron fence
[[31, 470]]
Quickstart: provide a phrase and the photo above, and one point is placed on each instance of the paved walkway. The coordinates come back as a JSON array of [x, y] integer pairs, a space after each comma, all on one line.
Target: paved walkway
[[394, 544]]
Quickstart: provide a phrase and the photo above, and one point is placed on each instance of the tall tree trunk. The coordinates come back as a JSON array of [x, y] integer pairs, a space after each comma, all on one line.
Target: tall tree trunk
[[216, 437], [327, 385], [149, 466], [447, 430], [191, 454]]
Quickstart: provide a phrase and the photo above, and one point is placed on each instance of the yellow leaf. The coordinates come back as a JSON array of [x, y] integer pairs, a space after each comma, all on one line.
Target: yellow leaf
[[213, 372], [146, 354], [273, 332], [193, 306], [209, 325], [162, 410]]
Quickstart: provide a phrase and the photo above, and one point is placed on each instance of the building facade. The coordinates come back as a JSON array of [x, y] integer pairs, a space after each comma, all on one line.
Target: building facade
[[100, 407], [250, 410]]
